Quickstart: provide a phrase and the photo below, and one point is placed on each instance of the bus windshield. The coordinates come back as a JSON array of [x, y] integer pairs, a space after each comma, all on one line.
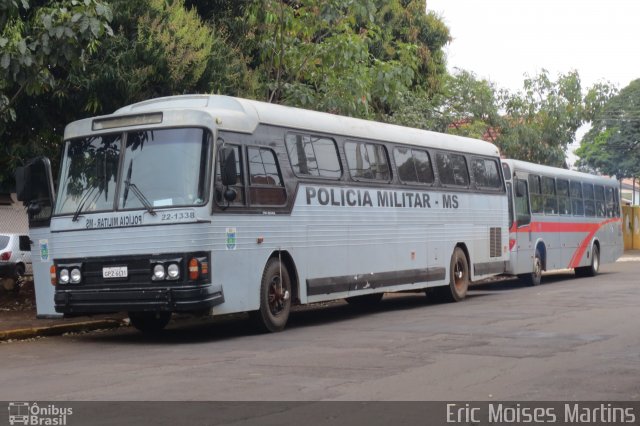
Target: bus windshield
[[148, 169]]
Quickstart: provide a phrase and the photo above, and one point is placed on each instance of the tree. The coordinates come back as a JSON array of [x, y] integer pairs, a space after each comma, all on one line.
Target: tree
[[157, 48], [354, 57], [612, 145], [38, 44], [541, 121]]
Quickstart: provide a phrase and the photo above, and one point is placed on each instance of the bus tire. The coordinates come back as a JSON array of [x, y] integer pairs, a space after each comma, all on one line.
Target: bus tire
[[365, 299], [150, 322], [275, 298], [458, 278], [534, 278], [593, 269]]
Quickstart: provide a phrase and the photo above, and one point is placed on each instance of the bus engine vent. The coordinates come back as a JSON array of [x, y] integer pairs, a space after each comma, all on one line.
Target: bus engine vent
[[495, 241]]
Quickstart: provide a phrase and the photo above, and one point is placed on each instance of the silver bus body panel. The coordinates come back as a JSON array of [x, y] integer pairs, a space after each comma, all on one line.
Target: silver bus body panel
[[567, 239]]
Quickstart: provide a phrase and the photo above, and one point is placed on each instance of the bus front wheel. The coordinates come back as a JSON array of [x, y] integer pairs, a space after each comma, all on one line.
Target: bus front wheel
[[150, 322], [275, 297]]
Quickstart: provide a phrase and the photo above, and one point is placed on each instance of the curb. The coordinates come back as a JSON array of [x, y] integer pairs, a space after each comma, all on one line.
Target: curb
[[54, 330]]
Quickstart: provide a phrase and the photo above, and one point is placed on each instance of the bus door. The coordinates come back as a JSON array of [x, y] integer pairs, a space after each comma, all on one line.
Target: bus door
[[522, 250], [34, 187]]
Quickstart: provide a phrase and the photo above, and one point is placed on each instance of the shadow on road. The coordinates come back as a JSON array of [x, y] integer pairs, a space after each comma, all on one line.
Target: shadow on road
[[204, 330]]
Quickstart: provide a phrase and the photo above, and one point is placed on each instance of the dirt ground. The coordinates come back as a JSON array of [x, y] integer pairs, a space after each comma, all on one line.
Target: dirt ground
[[20, 299]]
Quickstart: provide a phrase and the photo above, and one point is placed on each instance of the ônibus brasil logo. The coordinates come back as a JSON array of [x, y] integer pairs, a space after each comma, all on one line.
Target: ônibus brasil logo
[[31, 414]]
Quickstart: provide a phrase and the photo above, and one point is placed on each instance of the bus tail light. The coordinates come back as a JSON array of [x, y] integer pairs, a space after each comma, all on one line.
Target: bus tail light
[[53, 275], [5, 256]]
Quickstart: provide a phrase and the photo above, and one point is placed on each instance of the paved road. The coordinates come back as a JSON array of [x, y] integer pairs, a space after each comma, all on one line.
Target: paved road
[[566, 339]]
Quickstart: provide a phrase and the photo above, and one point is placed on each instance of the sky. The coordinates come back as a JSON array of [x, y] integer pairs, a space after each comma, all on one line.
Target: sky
[[502, 40]]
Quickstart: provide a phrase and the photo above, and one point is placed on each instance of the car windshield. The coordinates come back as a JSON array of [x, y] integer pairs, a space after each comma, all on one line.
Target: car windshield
[[151, 168], [4, 241]]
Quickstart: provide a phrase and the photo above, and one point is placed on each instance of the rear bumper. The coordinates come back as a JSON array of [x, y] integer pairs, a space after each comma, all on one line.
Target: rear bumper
[[168, 299]]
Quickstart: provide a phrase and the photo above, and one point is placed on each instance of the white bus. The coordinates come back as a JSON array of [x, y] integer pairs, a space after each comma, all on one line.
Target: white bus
[[560, 219], [221, 205]]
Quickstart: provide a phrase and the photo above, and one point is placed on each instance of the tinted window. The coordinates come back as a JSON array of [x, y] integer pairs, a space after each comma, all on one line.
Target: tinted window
[[414, 165], [506, 171], [4, 241], [549, 194], [535, 189], [599, 195], [564, 204], [575, 191], [367, 161], [609, 197], [452, 169], [314, 156], [589, 204], [485, 173], [264, 177]]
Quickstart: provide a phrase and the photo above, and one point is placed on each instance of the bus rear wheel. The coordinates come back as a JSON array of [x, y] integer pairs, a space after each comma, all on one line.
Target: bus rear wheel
[[150, 322], [591, 270], [275, 298], [458, 279]]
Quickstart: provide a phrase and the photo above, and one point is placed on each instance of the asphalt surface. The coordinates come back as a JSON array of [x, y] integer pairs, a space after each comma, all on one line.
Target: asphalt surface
[[568, 339]]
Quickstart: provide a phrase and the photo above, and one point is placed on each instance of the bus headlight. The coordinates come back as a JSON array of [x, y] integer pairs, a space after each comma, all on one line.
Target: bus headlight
[[173, 271], [63, 278], [159, 272], [76, 276]]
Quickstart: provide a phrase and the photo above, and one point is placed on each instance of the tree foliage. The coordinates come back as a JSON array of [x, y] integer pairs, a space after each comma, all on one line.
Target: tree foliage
[[612, 145], [38, 45], [354, 57]]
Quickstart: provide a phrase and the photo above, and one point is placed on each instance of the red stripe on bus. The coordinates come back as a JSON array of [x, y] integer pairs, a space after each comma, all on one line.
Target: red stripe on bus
[[559, 227]]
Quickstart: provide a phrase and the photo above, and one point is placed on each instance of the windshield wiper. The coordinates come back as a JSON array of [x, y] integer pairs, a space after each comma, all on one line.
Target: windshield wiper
[[83, 201], [136, 191]]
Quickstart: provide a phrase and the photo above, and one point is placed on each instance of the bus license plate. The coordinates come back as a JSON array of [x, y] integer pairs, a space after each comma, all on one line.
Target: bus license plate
[[115, 272]]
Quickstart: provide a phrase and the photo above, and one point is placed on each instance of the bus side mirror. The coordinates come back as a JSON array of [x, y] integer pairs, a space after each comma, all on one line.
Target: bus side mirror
[[228, 166], [24, 243], [23, 185]]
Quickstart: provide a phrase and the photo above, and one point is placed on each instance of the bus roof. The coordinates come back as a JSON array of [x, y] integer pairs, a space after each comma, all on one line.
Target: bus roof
[[557, 172], [244, 115]]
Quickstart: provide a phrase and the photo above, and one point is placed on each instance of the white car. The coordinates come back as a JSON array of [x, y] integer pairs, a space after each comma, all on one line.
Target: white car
[[10, 254]]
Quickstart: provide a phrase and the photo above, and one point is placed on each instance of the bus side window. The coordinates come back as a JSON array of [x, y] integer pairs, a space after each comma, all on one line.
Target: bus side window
[[452, 169], [600, 206], [238, 187], [575, 192], [414, 165], [589, 204], [485, 173], [616, 203], [523, 214], [266, 187], [367, 161], [564, 205], [537, 205], [549, 192], [609, 198], [510, 197], [313, 156]]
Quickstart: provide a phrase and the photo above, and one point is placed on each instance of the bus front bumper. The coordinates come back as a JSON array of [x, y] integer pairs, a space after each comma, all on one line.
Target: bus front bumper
[[168, 299]]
